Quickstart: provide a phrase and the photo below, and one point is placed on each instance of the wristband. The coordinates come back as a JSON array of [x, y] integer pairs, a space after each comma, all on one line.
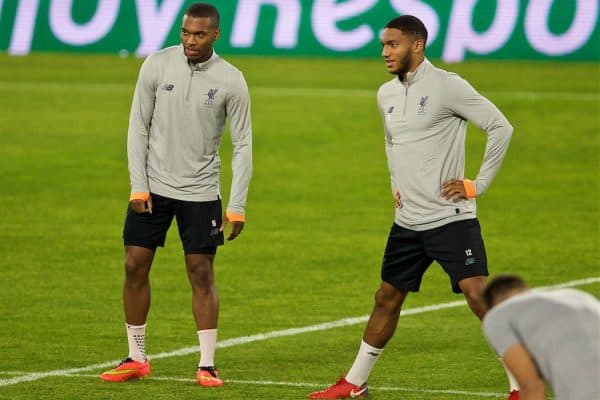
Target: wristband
[[235, 217], [144, 196], [470, 188]]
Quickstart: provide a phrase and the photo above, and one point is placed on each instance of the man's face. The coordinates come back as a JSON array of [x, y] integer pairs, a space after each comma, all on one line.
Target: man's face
[[197, 37], [397, 51]]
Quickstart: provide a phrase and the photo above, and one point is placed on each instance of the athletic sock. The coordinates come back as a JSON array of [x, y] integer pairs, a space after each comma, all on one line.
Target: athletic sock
[[512, 382], [136, 337], [208, 343], [363, 364]]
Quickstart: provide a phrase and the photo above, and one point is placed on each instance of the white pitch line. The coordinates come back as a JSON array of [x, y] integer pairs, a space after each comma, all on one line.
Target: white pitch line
[[578, 282], [338, 92], [290, 91], [34, 376], [320, 385]]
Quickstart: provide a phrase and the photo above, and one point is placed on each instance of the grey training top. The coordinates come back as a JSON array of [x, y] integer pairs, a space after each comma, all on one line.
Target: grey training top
[[176, 124], [561, 331], [425, 122]]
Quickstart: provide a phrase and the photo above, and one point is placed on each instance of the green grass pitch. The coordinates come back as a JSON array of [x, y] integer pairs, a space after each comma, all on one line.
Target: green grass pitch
[[318, 214]]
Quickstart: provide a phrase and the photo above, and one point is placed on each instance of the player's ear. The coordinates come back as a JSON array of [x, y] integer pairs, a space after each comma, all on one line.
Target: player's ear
[[217, 33], [418, 46]]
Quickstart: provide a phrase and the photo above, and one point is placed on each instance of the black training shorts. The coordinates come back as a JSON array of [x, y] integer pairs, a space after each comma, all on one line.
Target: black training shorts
[[198, 223], [457, 246]]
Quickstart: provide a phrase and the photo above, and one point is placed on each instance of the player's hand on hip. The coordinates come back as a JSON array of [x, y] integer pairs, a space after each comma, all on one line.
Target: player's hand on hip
[[140, 206], [454, 190], [397, 199], [236, 227]]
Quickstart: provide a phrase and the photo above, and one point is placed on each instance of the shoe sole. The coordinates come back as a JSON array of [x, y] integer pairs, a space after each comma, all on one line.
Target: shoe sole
[[211, 385], [208, 383], [122, 378]]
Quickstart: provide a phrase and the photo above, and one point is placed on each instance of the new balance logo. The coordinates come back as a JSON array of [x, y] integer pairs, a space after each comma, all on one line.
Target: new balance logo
[[470, 261]]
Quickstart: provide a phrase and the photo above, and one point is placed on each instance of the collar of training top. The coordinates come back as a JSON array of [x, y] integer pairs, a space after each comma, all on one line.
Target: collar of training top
[[202, 66], [412, 77]]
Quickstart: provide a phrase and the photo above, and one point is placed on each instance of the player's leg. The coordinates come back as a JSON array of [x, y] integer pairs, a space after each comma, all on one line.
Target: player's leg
[[471, 288], [380, 329], [384, 317], [136, 289], [404, 264], [199, 224], [205, 307], [205, 300], [141, 235], [459, 248]]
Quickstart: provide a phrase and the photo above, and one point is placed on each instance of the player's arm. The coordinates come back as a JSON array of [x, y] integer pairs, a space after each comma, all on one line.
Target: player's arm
[[464, 101], [390, 160], [519, 362], [142, 108], [238, 110]]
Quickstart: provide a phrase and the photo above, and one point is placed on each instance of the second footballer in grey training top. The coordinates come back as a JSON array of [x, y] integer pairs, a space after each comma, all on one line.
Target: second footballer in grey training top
[[425, 112]]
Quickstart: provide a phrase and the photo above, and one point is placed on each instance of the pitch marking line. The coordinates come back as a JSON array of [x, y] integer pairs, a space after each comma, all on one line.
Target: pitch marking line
[[318, 385], [34, 376], [338, 92], [291, 91]]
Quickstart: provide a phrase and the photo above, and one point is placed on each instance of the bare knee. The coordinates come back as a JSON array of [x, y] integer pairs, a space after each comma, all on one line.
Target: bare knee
[[388, 299], [200, 271], [137, 266], [471, 288], [384, 318]]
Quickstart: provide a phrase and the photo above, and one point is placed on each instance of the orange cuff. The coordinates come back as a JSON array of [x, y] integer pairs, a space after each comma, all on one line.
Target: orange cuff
[[140, 196], [235, 217], [470, 188]]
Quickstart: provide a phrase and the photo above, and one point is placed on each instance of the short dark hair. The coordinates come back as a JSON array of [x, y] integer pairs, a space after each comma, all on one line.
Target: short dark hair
[[410, 26], [499, 286], [204, 10]]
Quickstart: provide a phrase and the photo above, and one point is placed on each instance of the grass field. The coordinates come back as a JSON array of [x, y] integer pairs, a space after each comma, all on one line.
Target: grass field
[[318, 214]]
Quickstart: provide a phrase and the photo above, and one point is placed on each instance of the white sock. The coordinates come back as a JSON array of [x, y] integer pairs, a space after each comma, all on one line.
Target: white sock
[[514, 385], [363, 364], [136, 337], [208, 343]]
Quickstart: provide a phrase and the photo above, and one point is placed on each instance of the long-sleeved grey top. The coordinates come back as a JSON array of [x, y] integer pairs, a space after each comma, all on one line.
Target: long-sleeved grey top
[[560, 329], [425, 122], [176, 123]]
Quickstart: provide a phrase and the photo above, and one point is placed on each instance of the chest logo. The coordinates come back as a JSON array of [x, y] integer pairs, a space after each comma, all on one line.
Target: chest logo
[[388, 115], [168, 87], [211, 96], [422, 105]]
